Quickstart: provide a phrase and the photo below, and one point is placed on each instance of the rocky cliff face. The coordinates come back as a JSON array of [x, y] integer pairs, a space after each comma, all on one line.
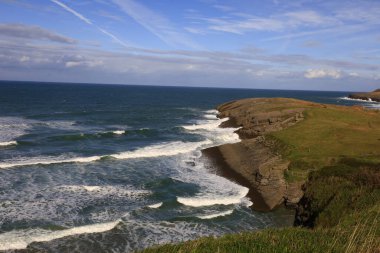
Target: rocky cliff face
[[255, 157]]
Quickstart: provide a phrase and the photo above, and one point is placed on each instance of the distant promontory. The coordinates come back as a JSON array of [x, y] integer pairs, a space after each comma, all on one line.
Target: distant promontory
[[368, 96]]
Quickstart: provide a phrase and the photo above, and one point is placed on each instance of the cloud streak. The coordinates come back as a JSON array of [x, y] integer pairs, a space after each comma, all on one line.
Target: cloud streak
[[157, 24], [241, 23], [22, 31], [89, 22], [75, 13]]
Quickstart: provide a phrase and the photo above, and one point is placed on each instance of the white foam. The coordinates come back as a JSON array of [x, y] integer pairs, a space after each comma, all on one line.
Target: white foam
[[155, 205], [103, 190], [212, 216], [213, 111], [19, 239], [61, 124], [166, 149], [63, 203], [119, 132], [91, 188], [210, 116], [47, 160], [8, 143], [206, 125], [199, 201], [358, 100], [12, 128], [211, 130]]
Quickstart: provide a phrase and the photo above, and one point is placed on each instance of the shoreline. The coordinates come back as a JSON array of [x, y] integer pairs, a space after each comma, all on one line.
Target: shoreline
[[222, 168]]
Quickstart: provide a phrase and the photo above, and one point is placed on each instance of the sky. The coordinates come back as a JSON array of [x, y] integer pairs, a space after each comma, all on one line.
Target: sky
[[272, 44]]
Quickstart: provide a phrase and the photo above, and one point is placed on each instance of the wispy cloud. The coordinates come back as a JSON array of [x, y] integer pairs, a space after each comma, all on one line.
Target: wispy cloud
[[241, 23], [323, 73], [114, 37], [22, 31], [157, 24], [75, 13], [224, 8], [89, 22], [312, 44]]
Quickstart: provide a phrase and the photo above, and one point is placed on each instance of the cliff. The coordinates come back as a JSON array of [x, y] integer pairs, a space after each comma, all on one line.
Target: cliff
[[255, 157]]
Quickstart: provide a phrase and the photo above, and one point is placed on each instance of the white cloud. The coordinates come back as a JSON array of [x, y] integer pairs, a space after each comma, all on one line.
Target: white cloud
[[88, 63], [298, 18], [71, 64], [24, 58], [354, 74], [323, 73]]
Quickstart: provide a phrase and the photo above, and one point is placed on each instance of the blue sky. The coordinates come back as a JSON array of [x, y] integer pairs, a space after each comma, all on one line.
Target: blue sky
[[276, 44]]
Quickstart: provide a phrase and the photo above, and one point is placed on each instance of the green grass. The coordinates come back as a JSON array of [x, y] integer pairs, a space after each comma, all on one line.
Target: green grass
[[337, 151], [362, 236], [334, 192], [326, 136]]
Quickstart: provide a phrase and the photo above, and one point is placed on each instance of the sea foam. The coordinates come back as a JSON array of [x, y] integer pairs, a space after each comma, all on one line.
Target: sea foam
[[358, 100], [165, 149], [199, 201], [211, 130], [119, 132], [215, 215], [19, 239], [8, 143], [155, 205]]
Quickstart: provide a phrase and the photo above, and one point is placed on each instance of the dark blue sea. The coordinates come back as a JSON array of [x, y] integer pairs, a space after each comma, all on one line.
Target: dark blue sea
[[112, 168]]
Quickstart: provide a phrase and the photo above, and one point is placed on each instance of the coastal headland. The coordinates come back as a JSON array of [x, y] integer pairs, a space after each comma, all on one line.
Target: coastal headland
[[322, 160], [367, 96]]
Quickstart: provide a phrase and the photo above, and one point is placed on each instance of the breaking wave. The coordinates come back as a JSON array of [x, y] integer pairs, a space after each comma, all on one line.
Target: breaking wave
[[199, 201], [215, 215], [166, 149], [19, 239], [8, 143]]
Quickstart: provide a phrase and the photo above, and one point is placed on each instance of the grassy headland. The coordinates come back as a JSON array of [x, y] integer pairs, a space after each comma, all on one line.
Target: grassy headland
[[334, 152]]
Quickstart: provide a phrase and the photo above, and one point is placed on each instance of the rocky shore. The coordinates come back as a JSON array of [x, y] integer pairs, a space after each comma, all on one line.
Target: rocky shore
[[368, 96], [255, 158]]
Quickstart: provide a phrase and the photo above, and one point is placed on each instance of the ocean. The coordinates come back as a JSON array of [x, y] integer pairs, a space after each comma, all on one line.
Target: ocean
[[113, 168]]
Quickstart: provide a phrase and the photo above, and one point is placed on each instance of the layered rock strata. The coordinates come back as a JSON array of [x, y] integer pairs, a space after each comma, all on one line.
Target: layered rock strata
[[255, 157]]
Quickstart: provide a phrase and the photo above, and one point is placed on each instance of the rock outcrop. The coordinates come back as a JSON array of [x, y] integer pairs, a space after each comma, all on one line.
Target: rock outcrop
[[255, 157]]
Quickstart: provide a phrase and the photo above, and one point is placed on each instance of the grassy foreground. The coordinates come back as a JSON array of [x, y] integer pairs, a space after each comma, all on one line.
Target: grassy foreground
[[336, 150]]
